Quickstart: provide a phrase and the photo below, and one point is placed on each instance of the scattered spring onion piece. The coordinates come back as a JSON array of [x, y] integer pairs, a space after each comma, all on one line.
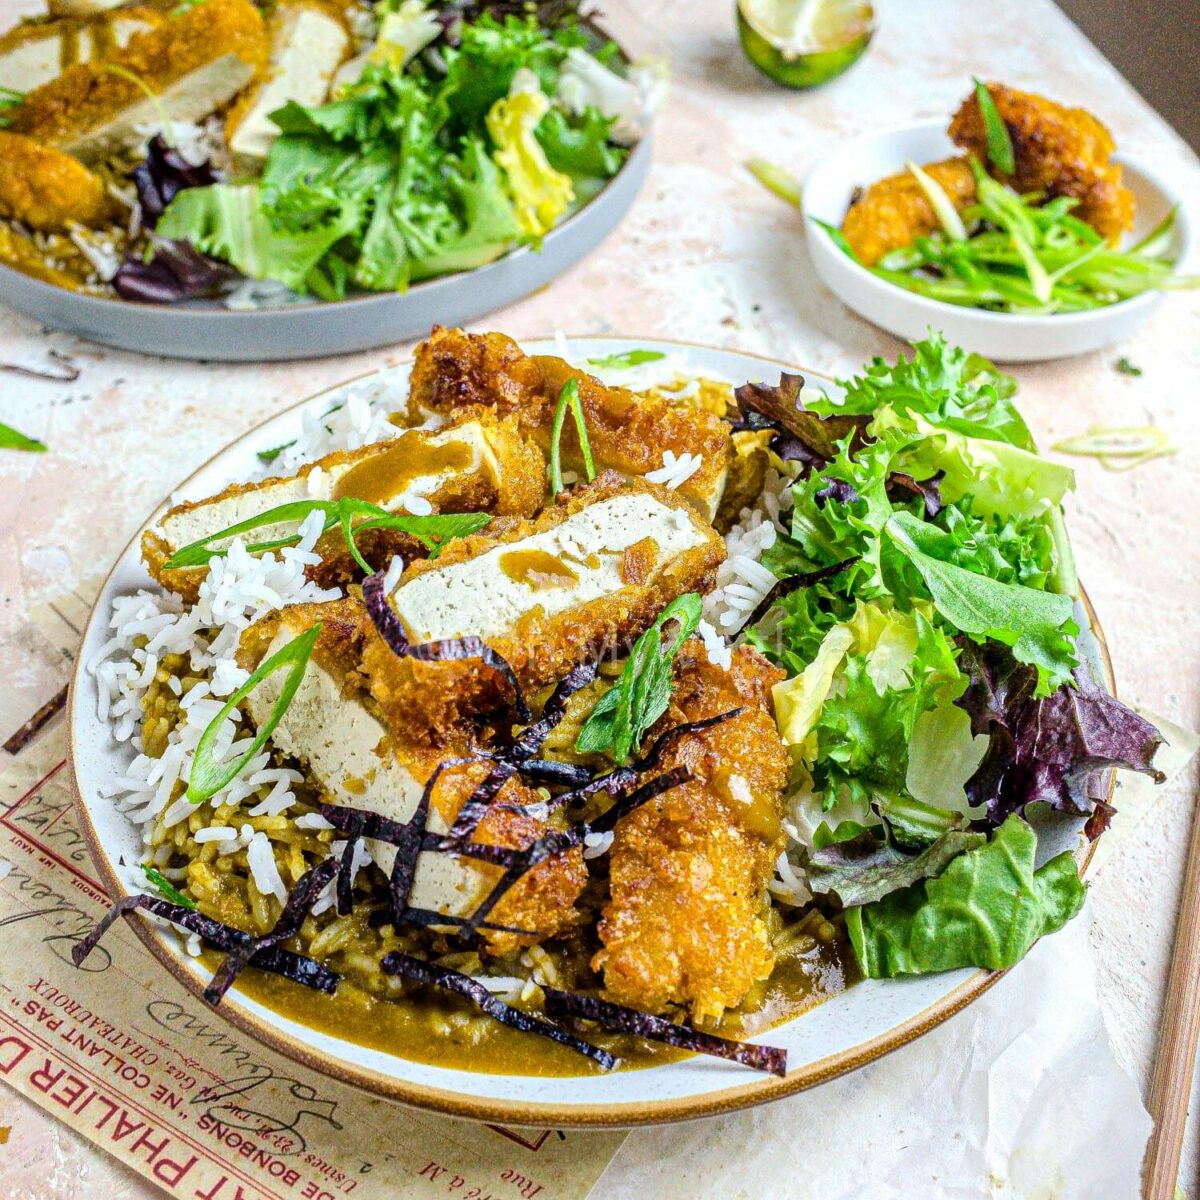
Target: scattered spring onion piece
[[208, 777], [1127, 367], [775, 179], [8, 99], [568, 397], [1120, 449], [156, 102], [999, 144], [630, 358], [433, 530], [166, 888], [942, 205], [269, 456], [13, 439], [640, 696]]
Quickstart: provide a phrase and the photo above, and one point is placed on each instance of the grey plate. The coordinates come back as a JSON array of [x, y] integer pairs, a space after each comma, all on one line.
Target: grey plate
[[210, 331]]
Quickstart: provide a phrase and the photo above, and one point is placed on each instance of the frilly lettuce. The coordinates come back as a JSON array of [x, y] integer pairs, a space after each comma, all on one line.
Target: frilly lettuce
[[540, 193]]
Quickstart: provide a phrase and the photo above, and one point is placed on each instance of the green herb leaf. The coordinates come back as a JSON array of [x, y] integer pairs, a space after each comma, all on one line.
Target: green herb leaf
[[1037, 625], [207, 777], [1127, 367], [434, 530], [999, 144], [166, 888], [12, 439], [269, 456], [986, 909], [568, 398], [623, 714], [630, 358]]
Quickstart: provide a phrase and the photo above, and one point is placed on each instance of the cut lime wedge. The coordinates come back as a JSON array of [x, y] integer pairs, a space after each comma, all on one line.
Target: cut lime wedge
[[804, 43]]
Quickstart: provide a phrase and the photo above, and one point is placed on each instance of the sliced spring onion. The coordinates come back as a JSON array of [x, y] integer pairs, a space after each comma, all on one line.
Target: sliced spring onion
[[164, 117], [836, 236], [14, 439], [1121, 442], [942, 205], [775, 179], [568, 398], [1114, 463], [434, 530], [999, 144], [631, 358], [207, 777], [166, 888], [1127, 367]]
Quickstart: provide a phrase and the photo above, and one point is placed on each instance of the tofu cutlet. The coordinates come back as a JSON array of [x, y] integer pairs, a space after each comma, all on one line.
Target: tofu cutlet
[[627, 433], [38, 51], [893, 212], [688, 871], [479, 462], [46, 189], [584, 578], [308, 41], [193, 64], [1062, 151], [334, 727]]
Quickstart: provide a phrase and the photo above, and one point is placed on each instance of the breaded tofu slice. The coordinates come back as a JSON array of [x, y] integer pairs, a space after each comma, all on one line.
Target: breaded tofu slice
[[587, 576], [478, 463], [628, 433], [47, 189], [1062, 151], [688, 871], [35, 52], [194, 63], [333, 727], [893, 212], [308, 42]]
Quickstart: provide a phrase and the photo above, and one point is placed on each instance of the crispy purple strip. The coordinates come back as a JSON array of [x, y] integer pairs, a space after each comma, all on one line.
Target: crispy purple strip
[[23, 736], [345, 879], [624, 805], [620, 1019], [793, 583], [397, 963], [302, 897], [533, 738], [295, 967], [390, 628]]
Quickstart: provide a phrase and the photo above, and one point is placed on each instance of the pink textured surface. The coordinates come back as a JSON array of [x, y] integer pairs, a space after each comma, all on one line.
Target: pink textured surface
[[706, 255]]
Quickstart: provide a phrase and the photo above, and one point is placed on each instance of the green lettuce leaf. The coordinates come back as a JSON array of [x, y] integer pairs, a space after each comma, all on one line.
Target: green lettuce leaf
[[985, 910], [580, 146], [1039, 626]]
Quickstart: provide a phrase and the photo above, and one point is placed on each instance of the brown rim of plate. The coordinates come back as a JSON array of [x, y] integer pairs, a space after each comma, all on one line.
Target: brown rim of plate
[[455, 1104]]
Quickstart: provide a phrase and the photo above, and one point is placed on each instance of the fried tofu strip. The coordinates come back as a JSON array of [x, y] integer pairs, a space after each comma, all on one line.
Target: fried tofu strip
[[308, 41], [333, 727], [688, 871], [893, 212], [193, 64], [46, 189], [1062, 151], [35, 52], [478, 463], [587, 575], [627, 433]]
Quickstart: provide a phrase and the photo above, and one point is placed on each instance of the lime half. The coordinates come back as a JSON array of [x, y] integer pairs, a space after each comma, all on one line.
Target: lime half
[[804, 43]]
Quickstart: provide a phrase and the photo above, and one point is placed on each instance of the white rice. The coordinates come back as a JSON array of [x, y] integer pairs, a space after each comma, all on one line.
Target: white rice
[[676, 469], [597, 844], [261, 860]]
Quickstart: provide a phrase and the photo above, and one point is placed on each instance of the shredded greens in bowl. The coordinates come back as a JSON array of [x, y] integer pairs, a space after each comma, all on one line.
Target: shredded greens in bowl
[[937, 687]]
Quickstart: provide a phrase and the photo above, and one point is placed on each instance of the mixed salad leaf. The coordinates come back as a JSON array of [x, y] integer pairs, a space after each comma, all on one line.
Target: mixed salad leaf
[[468, 130], [937, 687]]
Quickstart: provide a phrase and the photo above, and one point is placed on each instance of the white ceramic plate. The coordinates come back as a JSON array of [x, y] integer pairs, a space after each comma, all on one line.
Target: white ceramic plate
[[1003, 337], [203, 329], [846, 1031]]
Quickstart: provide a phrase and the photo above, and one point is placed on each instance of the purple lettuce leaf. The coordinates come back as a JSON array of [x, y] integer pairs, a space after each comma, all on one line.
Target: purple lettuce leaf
[[901, 487], [1051, 749], [162, 175], [177, 271], [800, 435]]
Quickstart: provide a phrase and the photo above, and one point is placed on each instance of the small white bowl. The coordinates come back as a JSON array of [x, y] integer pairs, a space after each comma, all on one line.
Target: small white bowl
[[1004, 337]]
